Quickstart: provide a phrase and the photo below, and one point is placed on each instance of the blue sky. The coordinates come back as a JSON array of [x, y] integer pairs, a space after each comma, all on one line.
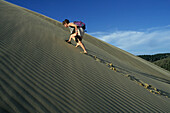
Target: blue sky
[[136, 26]]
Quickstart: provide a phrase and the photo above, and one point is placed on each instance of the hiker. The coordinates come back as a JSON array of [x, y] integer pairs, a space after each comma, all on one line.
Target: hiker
[[77, 33]]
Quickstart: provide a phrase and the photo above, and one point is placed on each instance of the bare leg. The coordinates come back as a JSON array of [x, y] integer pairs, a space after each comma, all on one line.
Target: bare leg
[[82, 46], [77, 45], [79, 42], [72, 37]]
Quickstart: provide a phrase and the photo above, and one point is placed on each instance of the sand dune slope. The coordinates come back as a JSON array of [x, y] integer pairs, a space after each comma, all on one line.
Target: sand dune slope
[[40, 72]]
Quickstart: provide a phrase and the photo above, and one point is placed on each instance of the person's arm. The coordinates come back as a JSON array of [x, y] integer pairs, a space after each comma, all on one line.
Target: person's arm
[[72, 24]]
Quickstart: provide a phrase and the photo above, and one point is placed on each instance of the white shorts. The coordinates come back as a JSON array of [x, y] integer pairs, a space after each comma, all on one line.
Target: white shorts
[[80, 32]]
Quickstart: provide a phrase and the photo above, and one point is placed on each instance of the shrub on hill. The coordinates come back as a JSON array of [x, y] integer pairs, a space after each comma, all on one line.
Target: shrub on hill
[[162, 60], [164, 63], [156, 57]]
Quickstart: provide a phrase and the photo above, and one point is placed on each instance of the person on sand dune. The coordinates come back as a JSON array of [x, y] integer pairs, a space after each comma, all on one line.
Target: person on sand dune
[[76, 34]]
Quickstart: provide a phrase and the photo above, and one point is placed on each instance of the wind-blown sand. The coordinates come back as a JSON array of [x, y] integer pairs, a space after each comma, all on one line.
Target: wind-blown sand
[[40, 72]]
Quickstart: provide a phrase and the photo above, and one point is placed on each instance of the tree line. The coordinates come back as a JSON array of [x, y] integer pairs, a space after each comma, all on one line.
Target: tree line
[[162, 60]]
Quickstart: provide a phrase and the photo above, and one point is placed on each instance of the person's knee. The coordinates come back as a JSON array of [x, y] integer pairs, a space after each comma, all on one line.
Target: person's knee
[[80, 43], [72, 36]]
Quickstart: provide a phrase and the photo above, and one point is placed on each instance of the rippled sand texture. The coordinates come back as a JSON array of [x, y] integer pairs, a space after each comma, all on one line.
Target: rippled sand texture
[[40, 72]]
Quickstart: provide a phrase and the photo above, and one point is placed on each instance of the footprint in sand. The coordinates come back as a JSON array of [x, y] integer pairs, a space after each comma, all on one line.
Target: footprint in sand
[[149, 87]]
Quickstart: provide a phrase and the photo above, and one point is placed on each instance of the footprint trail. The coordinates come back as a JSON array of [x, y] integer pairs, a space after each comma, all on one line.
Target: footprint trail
[[127, 74]]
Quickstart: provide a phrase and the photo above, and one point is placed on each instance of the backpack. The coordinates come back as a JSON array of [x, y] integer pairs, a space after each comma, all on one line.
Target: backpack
[[80, 24]]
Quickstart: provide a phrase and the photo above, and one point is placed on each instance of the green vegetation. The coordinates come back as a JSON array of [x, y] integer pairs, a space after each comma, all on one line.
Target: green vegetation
[[156, 57], [162, 60], [164, 63]]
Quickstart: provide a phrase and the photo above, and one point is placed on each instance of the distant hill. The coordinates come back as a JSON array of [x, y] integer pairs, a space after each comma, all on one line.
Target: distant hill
[[164, 63], [162, 60]]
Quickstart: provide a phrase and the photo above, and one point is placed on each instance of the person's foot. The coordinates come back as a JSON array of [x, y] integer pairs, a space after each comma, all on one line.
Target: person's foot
[[68, 42], [76, 46], [85, 52]]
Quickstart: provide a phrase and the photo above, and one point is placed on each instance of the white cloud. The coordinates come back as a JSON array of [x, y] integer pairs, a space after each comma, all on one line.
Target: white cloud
[[150, 41]]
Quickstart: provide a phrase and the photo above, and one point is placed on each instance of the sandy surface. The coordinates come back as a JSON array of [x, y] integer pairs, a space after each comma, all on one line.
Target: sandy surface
[[40, 72]]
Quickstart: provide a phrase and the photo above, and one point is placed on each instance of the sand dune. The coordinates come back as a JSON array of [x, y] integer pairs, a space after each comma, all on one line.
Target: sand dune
[[40, 72]]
